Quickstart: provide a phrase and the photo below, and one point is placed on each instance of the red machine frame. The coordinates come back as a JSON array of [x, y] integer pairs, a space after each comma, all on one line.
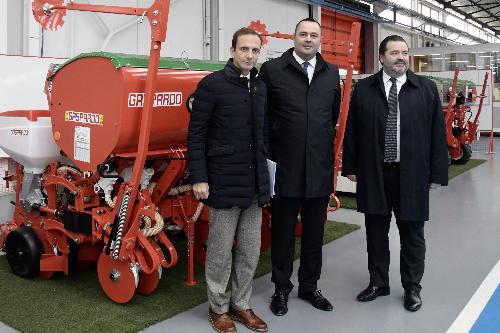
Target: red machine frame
[[459, 131], [129, 259]]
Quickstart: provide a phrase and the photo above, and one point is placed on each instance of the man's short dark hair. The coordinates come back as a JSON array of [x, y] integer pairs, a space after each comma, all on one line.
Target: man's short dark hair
[[306, 20], [241, 32], [393, 38]]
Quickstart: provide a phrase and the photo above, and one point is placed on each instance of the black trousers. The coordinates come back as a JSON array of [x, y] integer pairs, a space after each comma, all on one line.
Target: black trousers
[[284, 217], [411, 234]]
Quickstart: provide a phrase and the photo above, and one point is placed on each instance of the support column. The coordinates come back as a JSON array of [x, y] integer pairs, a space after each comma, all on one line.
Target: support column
[[31, 32], [3, 27], [14, 27], [216, 32]]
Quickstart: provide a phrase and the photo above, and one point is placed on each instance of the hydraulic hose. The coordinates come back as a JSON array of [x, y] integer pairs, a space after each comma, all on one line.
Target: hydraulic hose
[[65, 168]]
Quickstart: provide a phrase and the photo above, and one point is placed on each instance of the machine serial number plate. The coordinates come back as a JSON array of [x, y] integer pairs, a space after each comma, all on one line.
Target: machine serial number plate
[[82, 144]]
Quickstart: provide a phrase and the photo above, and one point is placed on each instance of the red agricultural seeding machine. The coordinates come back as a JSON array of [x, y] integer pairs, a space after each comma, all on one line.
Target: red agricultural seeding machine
[[460, 130], [102, 175]]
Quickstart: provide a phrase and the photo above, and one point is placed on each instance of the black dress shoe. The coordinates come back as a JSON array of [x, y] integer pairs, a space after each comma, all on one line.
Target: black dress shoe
[[412, 302], [372, 292], [279, 303], [316, 299]]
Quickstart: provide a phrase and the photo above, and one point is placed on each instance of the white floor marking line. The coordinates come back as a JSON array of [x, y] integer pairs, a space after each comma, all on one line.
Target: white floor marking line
[[470, 313]]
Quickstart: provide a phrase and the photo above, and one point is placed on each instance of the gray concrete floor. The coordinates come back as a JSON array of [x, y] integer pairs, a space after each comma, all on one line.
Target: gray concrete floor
[[463, 244]]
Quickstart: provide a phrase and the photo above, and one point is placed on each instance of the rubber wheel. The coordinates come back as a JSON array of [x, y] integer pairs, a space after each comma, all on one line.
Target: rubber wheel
[[24, 249], [456, 131], [466, 154]]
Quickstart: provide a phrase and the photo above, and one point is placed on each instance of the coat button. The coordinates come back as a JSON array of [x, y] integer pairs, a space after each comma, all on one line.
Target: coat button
[[250, 146], [249, 166]]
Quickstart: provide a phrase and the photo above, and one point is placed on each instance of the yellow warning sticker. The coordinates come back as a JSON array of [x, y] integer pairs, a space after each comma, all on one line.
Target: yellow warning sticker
[[84, 118]]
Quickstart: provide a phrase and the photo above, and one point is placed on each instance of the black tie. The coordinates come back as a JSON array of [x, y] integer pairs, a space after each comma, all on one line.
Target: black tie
[[305, 64], [391, 143]]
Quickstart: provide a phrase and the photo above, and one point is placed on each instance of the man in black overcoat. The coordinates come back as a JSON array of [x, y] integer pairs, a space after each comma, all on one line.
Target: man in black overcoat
[[227, 163], [395, 149], [303, 109]]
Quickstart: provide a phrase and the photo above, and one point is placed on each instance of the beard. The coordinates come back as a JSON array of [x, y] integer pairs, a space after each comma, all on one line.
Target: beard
[[394, 71]]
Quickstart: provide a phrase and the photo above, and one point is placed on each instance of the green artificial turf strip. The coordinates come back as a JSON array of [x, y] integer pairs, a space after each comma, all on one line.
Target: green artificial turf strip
[[333, 230], [457, 169], [76, 303], [349, 200]]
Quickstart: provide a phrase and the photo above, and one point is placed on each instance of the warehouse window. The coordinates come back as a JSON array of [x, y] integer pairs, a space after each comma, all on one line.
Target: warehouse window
[[387, 14], [427, 63], [455, 22], [472, 30], [405, 3], [403, 19], [426, 11], [435, 15], [495, 67], [463, 61], [484, 60], [435, 3]]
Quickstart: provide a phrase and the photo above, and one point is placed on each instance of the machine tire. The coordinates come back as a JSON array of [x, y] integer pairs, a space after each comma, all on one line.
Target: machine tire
[[466, 154], [23, 250]]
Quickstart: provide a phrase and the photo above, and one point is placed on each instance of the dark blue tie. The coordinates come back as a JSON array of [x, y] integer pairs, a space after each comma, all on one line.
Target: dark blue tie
[[305, 64], [391, 131]]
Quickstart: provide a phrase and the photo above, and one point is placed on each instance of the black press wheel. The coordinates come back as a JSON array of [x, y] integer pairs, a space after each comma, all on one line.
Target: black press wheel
[[466, 154], [23, 250]]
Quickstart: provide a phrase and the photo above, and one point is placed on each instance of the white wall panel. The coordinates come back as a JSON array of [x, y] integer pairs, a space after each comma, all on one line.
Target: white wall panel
[[386, 30], [184, 32], [278, 15], [22, 82], [31, 43], [3, 26], [85, 32], [14, 24]]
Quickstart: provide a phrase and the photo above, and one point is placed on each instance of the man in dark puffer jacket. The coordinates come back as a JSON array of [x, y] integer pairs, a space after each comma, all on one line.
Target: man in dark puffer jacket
[[227, 162]]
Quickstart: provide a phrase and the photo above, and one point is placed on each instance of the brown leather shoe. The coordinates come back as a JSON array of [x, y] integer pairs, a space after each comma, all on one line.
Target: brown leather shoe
[[222, 323], [249, 319]]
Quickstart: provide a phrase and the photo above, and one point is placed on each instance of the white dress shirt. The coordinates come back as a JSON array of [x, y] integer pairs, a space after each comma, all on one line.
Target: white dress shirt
[[310, 68], [400, 80], [248, 78]]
